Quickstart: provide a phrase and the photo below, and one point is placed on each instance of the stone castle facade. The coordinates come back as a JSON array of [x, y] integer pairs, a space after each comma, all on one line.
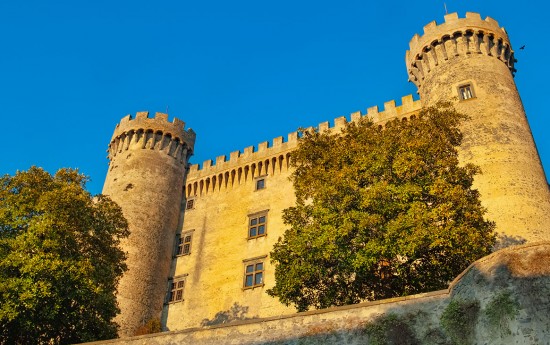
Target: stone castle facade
[[198, 253]]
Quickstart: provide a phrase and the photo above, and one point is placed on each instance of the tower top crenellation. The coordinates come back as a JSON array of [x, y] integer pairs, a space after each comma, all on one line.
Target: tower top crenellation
[[457, 37], [158, 123], [453, 24]]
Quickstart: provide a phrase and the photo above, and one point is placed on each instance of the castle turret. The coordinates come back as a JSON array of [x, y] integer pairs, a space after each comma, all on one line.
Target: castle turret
[[148, 159], [470, 61]]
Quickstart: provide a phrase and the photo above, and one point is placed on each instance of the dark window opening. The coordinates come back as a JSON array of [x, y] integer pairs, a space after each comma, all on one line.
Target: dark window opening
[[254, 275], [176, 290], [260, 184], [465, 92], [257, 226], [184, 245]]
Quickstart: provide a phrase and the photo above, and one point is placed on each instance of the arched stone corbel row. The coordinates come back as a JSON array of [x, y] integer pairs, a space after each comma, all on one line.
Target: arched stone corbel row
[[237, 176], [148, 139], [457, 44]]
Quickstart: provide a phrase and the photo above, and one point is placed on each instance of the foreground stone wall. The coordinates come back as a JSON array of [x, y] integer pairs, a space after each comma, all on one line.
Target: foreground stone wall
[[503, 298]]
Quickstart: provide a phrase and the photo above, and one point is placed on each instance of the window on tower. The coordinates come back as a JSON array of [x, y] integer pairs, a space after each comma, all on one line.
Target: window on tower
[[466, 92]]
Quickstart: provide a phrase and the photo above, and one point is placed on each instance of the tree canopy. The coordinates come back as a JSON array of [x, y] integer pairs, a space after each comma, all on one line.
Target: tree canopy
[[60, 260], [380, 212]]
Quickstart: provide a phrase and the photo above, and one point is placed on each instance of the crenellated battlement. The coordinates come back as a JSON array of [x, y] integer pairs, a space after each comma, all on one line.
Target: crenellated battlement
[[278, 147], [159, 123], [457, 37], [152, 133], [264, 149]]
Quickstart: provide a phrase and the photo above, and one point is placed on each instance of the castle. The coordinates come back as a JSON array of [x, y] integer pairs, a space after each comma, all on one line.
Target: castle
[[198, 253]]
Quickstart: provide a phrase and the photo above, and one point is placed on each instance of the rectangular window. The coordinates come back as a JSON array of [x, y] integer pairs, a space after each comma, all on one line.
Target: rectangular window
[[190, 204], [260, 183], [184, 244], [465, 92], [253, 274], [257, 225], [175, 293]]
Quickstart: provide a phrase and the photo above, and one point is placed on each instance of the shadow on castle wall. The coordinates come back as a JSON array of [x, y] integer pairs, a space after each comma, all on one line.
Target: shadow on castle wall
[[505, 241], [237, 312]]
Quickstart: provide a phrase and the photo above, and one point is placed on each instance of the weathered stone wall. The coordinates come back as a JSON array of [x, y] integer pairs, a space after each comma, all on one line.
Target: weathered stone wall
[[218, 223], [223, 196], [147, 157], [501, 299], [497, 138]]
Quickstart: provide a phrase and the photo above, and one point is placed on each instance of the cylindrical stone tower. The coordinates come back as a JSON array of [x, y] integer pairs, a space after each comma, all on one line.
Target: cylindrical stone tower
[[470, 62], [148, 159]]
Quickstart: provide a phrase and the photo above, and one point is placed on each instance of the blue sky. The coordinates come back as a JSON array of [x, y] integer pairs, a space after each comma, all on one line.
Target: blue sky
[[238, 73]]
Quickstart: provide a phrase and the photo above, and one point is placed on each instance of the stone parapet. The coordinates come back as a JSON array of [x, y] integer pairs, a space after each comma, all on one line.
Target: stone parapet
[[517, 277], [278, 146], [152, 133], [159, 123], [455, 37]]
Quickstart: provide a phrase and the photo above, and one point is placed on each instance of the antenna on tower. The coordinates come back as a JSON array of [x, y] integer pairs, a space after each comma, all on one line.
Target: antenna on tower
[[446, 12], [166, 109]]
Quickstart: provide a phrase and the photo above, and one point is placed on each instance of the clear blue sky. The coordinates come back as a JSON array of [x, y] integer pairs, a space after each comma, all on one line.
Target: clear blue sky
[[237, 72]]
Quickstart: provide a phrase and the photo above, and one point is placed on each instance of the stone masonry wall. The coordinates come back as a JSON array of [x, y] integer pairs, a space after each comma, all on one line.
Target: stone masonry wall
[[503, 298], [148, 157], [477, 53], [224, 196]]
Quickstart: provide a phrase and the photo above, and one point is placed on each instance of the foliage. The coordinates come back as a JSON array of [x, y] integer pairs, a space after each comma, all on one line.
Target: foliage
[[459, 320], [380, 212], [391, 330], [500, 310], [150, 327], [60, 260]]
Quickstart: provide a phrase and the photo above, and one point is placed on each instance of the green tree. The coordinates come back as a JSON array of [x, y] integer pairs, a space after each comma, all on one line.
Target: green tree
[[380, 213], [60, 260]]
